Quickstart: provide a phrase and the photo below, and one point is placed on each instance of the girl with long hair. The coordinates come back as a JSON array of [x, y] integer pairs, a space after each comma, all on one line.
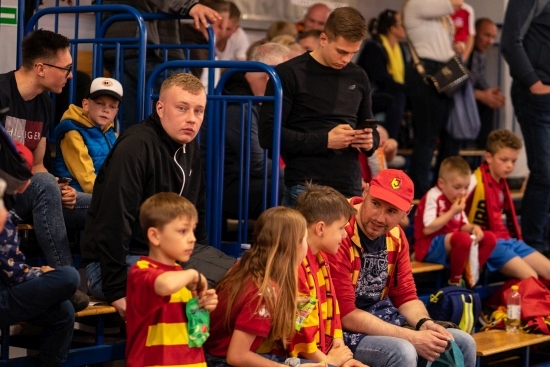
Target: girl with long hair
[[258, 297]]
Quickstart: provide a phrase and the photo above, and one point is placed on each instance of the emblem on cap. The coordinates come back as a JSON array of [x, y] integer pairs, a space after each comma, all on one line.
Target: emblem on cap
[[396, 183], [107, 83]]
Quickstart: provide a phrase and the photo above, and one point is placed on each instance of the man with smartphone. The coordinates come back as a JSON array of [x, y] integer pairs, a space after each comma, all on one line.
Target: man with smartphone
[[325, 96]]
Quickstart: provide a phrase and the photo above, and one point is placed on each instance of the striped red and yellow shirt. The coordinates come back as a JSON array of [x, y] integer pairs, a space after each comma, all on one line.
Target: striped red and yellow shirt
[[157, 326]]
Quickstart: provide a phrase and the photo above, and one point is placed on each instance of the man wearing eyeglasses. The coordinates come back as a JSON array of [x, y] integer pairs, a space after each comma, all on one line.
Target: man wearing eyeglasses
[[47, 65]]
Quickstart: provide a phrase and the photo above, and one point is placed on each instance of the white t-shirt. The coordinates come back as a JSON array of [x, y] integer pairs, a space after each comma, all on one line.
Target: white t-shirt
[[425, 28], [236, 46]]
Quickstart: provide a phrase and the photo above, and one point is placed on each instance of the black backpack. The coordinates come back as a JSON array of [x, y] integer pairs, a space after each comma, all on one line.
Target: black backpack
[[456, 304]]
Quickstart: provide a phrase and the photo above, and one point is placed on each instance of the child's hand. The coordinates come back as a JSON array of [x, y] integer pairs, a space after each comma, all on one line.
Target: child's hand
[[46, 268], [458, 206], [208, 299], [339, 355], [478, 232], [354, 363]]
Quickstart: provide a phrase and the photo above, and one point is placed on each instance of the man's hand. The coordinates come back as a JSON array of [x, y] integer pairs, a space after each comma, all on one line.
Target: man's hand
[[120, 305], [68, 196], [491, 97], [539, 88], [201, 13], [208, 299], [363, 139], [340, 137], [428, 343]]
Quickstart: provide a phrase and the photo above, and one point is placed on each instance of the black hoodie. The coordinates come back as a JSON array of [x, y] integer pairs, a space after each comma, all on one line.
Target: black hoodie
[[144, 161]]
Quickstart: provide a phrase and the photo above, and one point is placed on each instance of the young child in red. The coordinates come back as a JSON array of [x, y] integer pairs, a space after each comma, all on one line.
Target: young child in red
[[319, 334], [441, 229], [158, 289], [258, 297], [489, 201]]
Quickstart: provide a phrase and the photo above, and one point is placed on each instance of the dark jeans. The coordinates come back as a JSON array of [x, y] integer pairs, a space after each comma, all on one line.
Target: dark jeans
[[42, 201], [222, 362], [430, 112], [393, 105], [43, 301], [291, 195], [255, 197], [533, 114]]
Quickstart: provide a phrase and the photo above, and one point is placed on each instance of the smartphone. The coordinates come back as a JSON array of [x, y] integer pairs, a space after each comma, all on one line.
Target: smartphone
[[64, 180], [368, 123]]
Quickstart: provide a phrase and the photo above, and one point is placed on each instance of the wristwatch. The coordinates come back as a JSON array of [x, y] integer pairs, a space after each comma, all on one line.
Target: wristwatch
[[292, 362]]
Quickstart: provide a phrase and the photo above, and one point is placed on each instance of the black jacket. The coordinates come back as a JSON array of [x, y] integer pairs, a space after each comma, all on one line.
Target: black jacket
[[143, 162]]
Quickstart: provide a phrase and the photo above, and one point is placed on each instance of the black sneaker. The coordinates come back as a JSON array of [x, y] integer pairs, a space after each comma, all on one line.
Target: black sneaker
[[79, 300]]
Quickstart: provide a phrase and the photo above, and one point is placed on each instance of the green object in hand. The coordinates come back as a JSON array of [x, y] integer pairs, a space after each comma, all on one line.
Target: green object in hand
[[198, 323]]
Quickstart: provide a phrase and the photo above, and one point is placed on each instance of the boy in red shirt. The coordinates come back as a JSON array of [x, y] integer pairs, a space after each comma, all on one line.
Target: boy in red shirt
[[489, 199], [319, 334], [441, 228], [158, 289]]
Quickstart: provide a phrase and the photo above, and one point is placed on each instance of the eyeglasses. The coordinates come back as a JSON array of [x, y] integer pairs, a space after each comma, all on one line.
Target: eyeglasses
[[68, 69]]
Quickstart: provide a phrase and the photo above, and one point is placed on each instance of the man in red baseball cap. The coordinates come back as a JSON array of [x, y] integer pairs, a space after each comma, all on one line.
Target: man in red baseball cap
[[374, 285]]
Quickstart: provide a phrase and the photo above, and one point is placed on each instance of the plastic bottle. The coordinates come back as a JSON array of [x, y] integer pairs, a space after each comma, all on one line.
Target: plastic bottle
[[513, 310]]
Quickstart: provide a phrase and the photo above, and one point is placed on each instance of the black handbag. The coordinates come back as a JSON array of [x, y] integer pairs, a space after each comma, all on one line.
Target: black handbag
[[450, 78]]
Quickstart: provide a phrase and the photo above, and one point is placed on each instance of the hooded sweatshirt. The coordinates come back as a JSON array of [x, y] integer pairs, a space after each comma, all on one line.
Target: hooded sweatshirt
[[143, 162], [81, 148]]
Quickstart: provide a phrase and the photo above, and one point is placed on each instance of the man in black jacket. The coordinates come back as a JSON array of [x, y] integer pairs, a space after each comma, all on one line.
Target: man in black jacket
[[159, 155]]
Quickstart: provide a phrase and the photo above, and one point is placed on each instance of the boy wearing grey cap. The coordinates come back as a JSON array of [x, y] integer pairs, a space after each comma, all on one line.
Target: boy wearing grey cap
[[86, 134]]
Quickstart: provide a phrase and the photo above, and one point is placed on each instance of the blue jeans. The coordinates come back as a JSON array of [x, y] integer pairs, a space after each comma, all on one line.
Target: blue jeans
[[130, 102], [386, 351], [94, 280], [43, 301], [42, 200], [290, 195], [533, 114]]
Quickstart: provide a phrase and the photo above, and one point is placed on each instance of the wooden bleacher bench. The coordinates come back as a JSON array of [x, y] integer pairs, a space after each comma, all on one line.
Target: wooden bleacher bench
[[493, 342], [83, 353], [96, 309], [462, 152], [420, 267]]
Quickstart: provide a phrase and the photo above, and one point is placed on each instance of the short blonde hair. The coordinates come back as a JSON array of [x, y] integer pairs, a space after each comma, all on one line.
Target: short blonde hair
[[185, 81], [454, 165], [162, 208], [502, 138]]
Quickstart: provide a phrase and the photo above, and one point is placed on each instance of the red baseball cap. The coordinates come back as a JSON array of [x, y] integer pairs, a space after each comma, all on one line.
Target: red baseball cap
[[394, 187]]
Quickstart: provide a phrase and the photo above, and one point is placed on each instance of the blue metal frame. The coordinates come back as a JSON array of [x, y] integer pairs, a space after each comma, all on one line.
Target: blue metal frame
[[216, 131]]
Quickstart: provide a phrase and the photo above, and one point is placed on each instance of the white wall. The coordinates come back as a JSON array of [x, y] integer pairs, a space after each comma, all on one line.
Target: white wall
[[8, 41]]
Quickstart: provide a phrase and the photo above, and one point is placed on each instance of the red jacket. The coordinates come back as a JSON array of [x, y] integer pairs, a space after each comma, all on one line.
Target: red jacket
[[345, 267]]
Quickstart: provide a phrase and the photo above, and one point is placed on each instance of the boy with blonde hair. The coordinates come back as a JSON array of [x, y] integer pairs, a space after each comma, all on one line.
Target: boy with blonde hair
[[319, 336], [86, 134], [489, 199], [442, 231], [158, 289]]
